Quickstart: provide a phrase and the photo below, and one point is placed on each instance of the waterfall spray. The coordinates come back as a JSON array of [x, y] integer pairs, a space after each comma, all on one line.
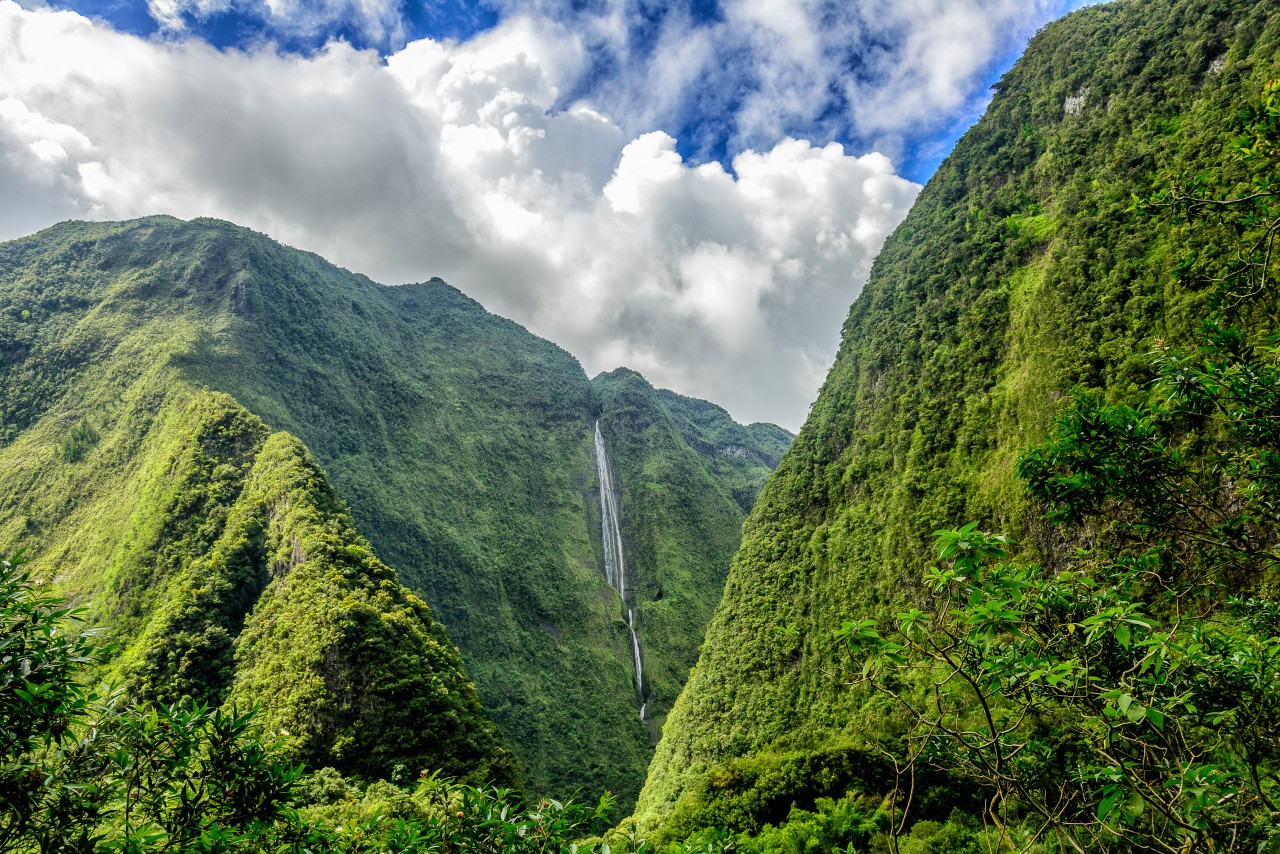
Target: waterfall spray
[[614, 569]]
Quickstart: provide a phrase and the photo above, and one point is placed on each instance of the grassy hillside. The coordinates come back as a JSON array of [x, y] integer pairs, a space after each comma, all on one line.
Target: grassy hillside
[[461, 443], [1020, 273]]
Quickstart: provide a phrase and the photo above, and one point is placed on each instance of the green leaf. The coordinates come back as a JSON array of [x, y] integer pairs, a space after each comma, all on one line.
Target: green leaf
[[1112, 797]]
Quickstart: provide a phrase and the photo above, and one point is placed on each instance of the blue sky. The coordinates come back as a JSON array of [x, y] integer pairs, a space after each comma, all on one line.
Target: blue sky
[[693, 189], [241, 25], [703, 127]]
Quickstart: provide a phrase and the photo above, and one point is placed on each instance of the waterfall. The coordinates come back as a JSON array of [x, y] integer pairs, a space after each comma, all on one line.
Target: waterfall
[[615, 571]]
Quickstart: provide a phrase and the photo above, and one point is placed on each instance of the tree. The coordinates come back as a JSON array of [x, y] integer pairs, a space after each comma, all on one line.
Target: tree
[[1127, 698], [84, 769], [41, 699]]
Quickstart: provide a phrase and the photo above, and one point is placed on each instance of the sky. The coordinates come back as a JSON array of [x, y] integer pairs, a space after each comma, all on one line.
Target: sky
[[693, 189]]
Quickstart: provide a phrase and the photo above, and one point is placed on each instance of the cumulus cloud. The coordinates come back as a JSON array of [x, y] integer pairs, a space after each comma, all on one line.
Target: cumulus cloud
[[465, 160], [40, 163], [872, 73], [298, 147], [726, 76], [876, 67]]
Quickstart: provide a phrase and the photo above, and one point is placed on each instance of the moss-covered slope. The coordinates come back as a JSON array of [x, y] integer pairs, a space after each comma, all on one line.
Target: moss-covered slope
[[1019, 273], [686, 470], [231, 573], [336, 651], [461, 443]]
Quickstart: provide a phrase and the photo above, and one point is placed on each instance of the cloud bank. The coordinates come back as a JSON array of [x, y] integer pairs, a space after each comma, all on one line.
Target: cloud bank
[[724, 75], [875, 74], [462, 160], [535, 165]]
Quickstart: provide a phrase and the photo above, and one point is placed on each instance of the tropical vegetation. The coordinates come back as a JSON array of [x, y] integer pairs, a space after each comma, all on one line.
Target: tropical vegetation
[[1072, 344], [143, 366], [1054, 250]]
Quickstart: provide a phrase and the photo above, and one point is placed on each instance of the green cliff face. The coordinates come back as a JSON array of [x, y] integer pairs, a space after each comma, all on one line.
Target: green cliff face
[[231, 574], [461, 444], [687, 473], [326, 640], [1021, 272]]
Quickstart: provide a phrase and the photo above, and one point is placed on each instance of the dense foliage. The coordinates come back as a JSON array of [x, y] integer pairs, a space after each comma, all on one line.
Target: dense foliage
[[461, 443], [86, 770], [1022, 272], [1127, 698]]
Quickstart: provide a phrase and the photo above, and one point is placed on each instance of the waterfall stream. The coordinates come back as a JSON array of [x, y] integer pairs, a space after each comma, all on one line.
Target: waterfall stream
[[615, 571]]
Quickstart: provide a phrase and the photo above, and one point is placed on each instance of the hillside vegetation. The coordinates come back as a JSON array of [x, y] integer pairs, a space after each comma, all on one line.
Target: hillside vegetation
[[679, 459], [461, 444], [1023, 271]]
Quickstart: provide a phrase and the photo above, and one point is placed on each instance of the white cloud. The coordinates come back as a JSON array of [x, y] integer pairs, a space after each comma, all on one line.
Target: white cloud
[[41, 168], [464, 160], [871, 71], [168, 13]]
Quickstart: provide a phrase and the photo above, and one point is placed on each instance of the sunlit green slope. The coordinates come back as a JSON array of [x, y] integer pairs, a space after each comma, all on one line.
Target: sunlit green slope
[[231, 573], [461, 443], [1020, 273]]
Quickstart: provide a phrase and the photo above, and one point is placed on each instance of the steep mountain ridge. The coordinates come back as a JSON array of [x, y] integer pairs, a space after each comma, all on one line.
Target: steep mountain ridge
[[461, 443], [1021, 271], [185, 537]]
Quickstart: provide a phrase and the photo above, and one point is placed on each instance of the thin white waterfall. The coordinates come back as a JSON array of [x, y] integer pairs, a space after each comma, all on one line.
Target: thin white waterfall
[[615, 571]]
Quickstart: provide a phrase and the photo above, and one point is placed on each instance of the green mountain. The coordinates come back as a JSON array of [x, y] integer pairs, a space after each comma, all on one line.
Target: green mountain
[[688, 474], [1022, 272], [232, 572], [146, 368]]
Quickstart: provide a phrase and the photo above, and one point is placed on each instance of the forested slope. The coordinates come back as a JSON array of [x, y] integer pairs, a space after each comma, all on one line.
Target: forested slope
[[688, 473], [461, 443], [1022, 272], [231, 573]]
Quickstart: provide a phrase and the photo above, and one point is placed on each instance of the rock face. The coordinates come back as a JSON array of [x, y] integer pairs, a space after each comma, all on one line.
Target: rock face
[[1075, 104], [1020, 273]]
